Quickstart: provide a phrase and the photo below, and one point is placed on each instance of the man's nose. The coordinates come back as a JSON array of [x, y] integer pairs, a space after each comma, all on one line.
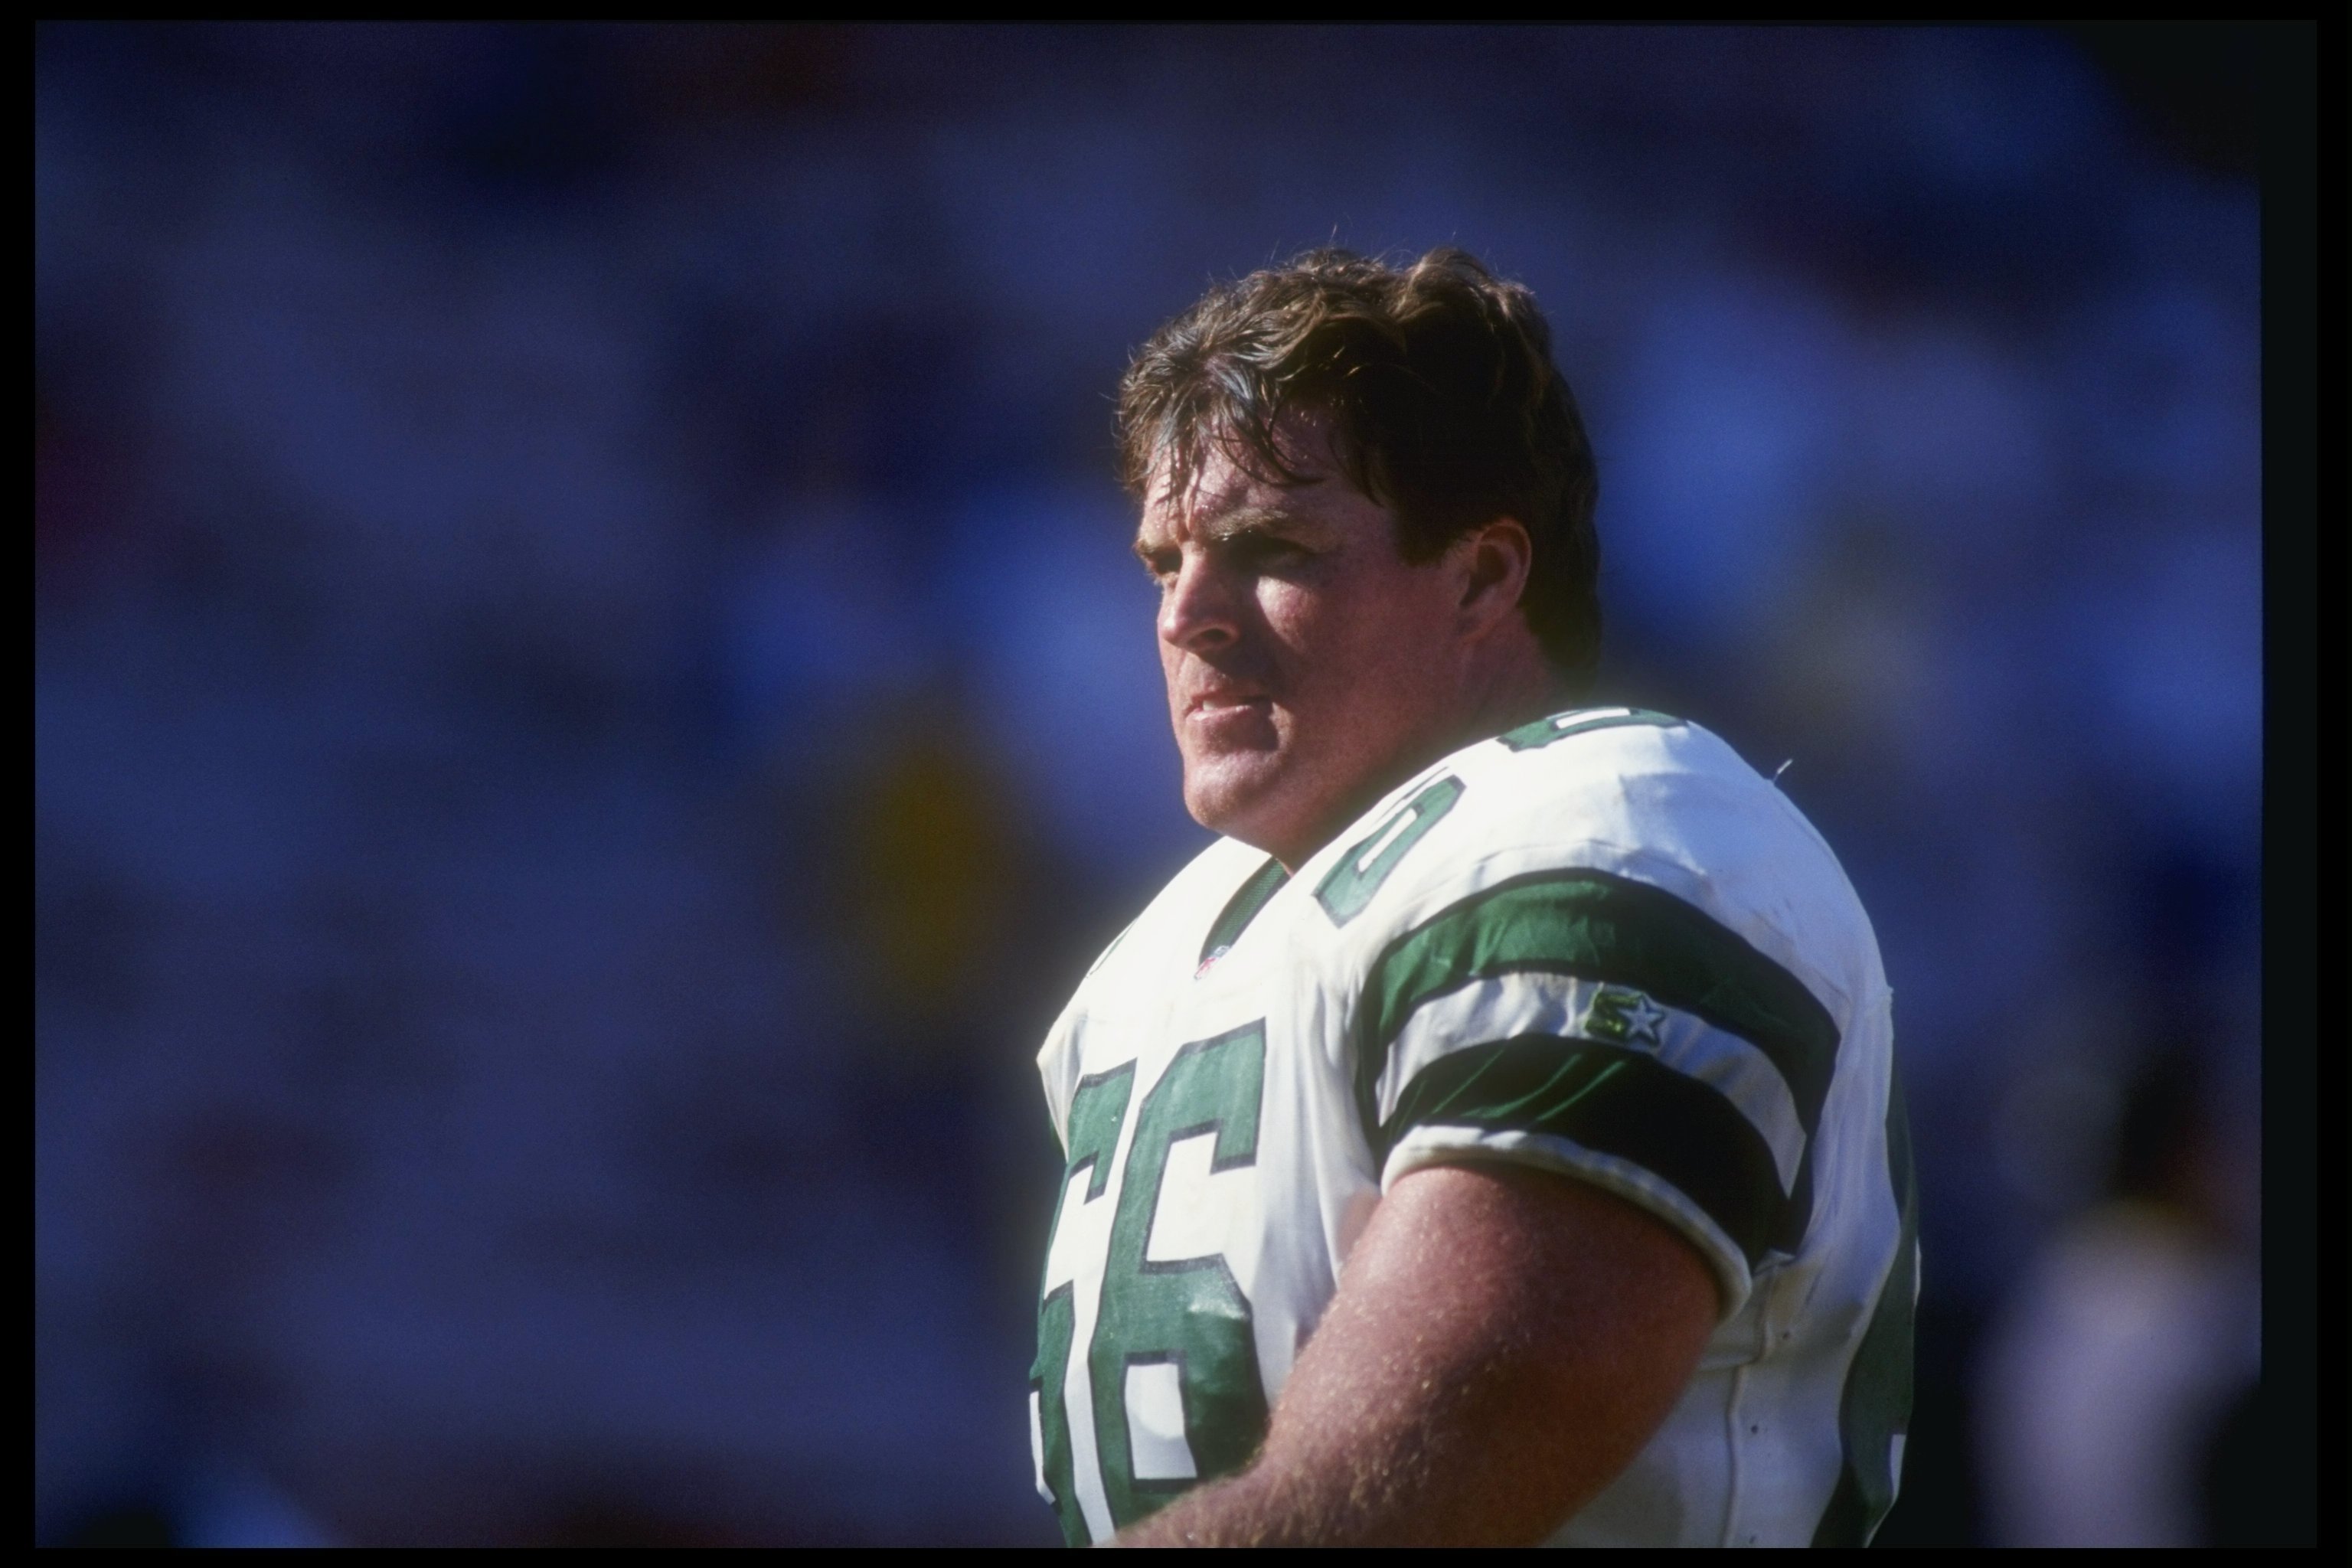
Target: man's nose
[[1200, 613]]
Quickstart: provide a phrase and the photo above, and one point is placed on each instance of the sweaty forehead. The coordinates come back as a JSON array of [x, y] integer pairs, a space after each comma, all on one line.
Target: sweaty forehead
[[1222, 455], [1216, 489], [1207, 516]]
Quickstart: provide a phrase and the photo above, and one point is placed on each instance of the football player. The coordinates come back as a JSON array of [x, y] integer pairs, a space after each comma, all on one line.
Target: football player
[[1494, 1137]]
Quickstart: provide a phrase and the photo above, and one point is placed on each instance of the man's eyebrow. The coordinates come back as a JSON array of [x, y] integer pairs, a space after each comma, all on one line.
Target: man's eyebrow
[[1226, 525], [1223, 529], [1246, 519]]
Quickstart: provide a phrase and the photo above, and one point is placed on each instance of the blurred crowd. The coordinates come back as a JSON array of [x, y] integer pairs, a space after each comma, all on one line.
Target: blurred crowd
[[591, 704]]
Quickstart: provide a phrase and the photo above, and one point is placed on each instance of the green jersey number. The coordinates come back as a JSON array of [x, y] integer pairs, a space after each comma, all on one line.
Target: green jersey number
[[1187, 1313], [1096, 1112], [1368, 862]]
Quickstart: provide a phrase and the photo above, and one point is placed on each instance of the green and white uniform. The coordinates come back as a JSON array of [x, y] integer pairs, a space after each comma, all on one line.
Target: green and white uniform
[[1601, 945]]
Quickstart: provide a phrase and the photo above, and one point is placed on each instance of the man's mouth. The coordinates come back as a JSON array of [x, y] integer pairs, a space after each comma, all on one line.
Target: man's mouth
[[1220, 701]]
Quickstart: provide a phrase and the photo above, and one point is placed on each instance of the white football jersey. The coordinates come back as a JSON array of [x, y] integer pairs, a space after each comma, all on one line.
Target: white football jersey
[[1601, 945]]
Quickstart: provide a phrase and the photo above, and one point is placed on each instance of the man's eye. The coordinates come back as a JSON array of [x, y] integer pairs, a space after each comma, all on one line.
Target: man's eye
[[1264, 549]]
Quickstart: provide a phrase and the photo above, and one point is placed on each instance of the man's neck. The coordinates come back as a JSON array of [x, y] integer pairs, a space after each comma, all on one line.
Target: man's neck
[[1501, 705]]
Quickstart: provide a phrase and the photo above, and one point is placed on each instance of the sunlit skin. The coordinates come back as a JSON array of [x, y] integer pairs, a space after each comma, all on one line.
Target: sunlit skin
[[1503, 1341]]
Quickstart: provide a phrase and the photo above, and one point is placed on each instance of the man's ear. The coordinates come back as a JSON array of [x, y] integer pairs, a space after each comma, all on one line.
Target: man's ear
[[1494, 563]]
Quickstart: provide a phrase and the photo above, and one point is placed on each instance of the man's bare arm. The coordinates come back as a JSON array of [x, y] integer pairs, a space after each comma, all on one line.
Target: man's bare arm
[[1503, 1342]]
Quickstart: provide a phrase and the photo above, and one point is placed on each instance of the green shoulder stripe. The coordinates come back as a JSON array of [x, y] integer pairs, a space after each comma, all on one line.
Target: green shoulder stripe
[[1598, 926], [1614, 1101], [1578, 721]]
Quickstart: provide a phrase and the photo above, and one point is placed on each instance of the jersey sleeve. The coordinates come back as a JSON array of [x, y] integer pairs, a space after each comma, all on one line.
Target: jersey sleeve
[[1594, 1024], [1057, 1069]]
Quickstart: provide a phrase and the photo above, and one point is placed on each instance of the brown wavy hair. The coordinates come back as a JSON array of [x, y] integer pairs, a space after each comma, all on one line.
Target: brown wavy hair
[[1444, 407]]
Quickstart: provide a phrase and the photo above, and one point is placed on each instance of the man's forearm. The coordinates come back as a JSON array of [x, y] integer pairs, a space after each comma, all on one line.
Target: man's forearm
[[1361, 1488], [1239, 1510], [1371, 1495]]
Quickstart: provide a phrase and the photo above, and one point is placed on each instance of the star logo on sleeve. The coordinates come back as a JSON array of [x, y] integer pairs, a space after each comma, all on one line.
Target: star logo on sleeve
[[1626, 1018]]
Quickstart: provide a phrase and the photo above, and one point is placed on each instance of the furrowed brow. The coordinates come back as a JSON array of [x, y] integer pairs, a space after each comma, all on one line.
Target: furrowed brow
[[1219, 531], [1244, 521]]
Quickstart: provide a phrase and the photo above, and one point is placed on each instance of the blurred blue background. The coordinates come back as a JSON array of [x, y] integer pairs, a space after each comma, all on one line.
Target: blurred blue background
[[591, 704]]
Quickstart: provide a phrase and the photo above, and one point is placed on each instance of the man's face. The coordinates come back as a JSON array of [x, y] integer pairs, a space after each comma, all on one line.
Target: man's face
[[1309, 667]]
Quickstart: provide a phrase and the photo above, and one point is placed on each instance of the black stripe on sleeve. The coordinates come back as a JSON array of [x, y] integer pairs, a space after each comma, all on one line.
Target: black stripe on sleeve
[[1613, 1102]]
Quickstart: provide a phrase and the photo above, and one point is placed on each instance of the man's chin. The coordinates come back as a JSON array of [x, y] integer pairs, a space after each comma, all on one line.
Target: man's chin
[[1240, 796]]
